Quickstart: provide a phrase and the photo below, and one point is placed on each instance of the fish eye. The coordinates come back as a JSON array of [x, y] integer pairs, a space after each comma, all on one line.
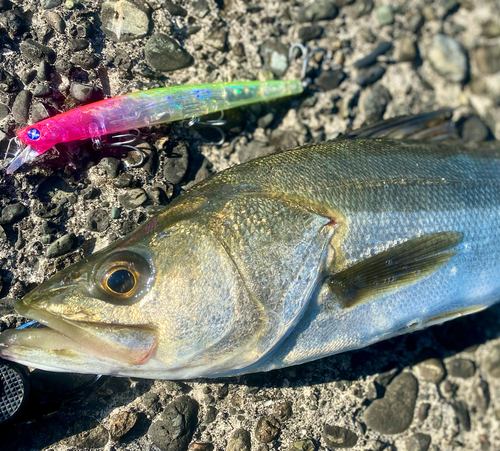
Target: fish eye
[[34, 134], [121, 281]]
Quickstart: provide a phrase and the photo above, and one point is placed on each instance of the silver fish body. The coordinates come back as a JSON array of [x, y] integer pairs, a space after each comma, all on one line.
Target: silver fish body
[[280, 261]]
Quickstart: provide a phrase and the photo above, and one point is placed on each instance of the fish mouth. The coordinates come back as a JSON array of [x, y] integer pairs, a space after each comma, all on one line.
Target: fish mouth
[[68, 345]]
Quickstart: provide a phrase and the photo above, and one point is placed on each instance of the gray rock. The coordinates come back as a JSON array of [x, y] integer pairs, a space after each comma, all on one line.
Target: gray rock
[[266, 120], [339, 437], [7, 82], [491, 29], [370, 76], [275, 56], [116, 213], [49, 4], [82, 92], [492, 362], [361, 8], [481, 396], [239, 441], [125, 20], [91, 193], [110, 166], [124, 181], [63, 66], [201, 8], [121, 423], [176, 165], [462, 414], [175, 427], [42, 90], [385, 15], [211, 415], [95, 438], [61, 246], [394, 412], [309, 32], [4, 111], [98, 220], [85, 60], [418, 442], [267, 429], [21, 107], [283, 411], [406, 50], [474, 129], [449, 58], [37, 52], [77, 45], [462, 368], [321, 10], [376, 103], [449, 389], [415, 21], [15, 22], [39, 112], [431, 370], [164, 54], [488, 58], [371, 59], [174, 9], [56, 21], [302, 445], [133, 198], [423, 411], [217, 39], [13, 213]]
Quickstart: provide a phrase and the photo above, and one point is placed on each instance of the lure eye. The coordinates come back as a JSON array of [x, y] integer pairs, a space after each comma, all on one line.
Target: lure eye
[[121, 281], [33, 134]]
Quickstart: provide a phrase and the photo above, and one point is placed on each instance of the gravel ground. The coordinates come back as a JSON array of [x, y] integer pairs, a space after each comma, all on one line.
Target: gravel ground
[[438, 389]]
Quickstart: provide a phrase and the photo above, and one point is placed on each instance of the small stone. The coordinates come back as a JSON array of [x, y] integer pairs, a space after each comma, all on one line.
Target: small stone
[[77, 45], [462, 413], [431, 370], [310, 32], [56, 21], [7, 82], [211, 415], [406, 50], [164, 54], [124, 181], [394, 412], [217, 39], [4, 111], [418, 442], [339, 437], [174, 9], [275, 56], [63, 66], [176, 164], [72, 4], [125, 20], [121, 423], [86, 61], [39, 112], [61, 246], [415, 21], [201, 8], [42, 90], [21, 107], [98, 220], [91, 193], [492, 362], [49, 4], [115, 213], [361, 8], [302, 445], [96, 438], [133, 198], [266, 120], [267, 429], [370, 76], [491, 29], [474, 129], [175, 427], [423, 411], [239, 441], [36, 52], [283, 411], [82, 92], [463, 368], [488, 58], [15, 22], [239, 50], [448, 58], [320, 10], [385, 15], [13, 213], [110, 166], [376, 103], [481, 396], [371, 59]]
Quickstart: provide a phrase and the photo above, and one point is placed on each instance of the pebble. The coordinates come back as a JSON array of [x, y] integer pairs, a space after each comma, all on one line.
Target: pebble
[[13, 213], [385, 15], [21, 107], [91, 193], [481, 396], [63, 66], [164, 54], [77, 45], [309, 32], [491, 29], [431, 370], [15, 22], [448, 58], [36, 52], [393, 413], [283, 411], [492, 362], [211, 414], [176, 165], [488, 58], [85, 60], [385, 378], [56, 21], [267, 429], [239, 441], [339, 437], [39, 112], [371, 59], [7, 82], [121, 423], [125, 20], [98, 220], [320, 10], [42, 90], [474, 129], [82, 93], [96, 438], [423, 411], [174, 9], [449, 389], [110, 166], [133, 198], [370, 76], [302, 445], [376, 103], [62, 246], [266, 120], [462, 368], [124, 181], [415, 21], [116, 213], [275, 56], [361, 8], [330, 79], [49, 4], [418, 442], [201, 8], [217, 39], [462, 414], [4, 111], [406, 50]]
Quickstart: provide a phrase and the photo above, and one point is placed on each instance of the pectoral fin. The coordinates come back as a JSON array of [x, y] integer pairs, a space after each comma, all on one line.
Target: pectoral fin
[[394, 268]]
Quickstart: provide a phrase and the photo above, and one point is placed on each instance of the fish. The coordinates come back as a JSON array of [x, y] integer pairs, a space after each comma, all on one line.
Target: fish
[[279, 261]]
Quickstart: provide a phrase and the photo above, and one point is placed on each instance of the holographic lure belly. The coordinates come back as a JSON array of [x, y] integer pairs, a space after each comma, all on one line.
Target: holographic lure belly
[[142, 109]]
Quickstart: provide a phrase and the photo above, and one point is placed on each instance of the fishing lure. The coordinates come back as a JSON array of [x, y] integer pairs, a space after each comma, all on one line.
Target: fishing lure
[[146, 108]]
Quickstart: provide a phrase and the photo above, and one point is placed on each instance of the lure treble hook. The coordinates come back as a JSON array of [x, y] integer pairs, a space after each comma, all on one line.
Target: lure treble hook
[[306, 57], [215, 124], [99, 143]]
